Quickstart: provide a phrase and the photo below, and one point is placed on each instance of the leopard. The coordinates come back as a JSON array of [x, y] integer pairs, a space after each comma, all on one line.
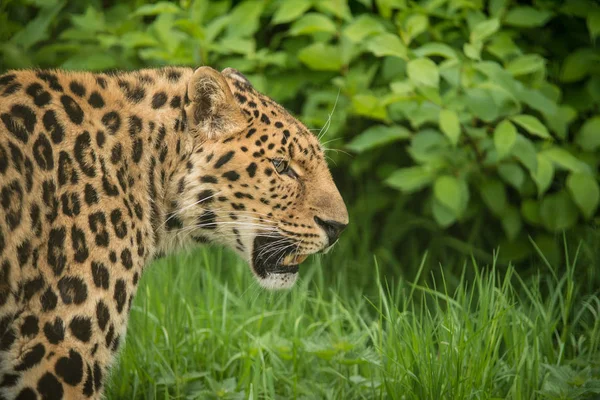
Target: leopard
[[103, 172]]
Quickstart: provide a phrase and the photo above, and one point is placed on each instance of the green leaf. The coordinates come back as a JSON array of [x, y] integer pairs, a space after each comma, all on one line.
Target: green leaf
[[312, 23], [530, 210], [505, 136], [525, 152], [321, 57], [376, 136], [588, 137], [247, 18], [449, 191], [526, 64], [593, 23], [578, 65], [484, 29], [423, 71], [387, 44], [473, 50], [493, 194], [402, 87], [481, 104], [511, 222], [290, 10], [566, 160], [442, 214], [362, 27], [544, 174], [584, 192], [436, 49], [532, 125], [558, 212], [38, 28], [162, 7], [450, 125], [414, 26], [369, 106], [527, 17], [410, 179], [512, 174]]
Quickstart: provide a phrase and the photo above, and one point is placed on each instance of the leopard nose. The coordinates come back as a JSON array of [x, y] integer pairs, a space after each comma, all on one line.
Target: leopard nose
[[331, 228]]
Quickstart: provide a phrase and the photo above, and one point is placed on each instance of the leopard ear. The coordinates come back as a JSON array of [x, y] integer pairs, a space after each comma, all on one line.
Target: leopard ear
[[213, 110]]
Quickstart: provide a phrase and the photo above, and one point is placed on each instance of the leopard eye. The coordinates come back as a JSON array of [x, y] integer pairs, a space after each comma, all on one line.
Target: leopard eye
[[283, 167]]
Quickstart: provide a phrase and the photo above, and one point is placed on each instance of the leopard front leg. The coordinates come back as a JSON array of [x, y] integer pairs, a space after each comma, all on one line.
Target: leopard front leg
[[49, 357]]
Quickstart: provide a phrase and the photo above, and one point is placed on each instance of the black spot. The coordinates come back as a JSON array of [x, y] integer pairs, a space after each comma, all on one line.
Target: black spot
[[51, 80], [208, 220], [42, 152], [31, 287], [77, 88], [100, 275], [74, 112], [224, 159], [251, 169], [175, 102], [70, 369], [26, 394], [66, 170], [231, 175], [9, 380], [120, 294], [56, 253], [251, 132], [10, 89], [11, 199], [81, 328], [8, 333], [3, 159], [100, 138], [70, 204], [80, 250], [40, 96], [48, 300], [119, 225], [208, 179], [6, 79], [73, 290], [159, 99], [110, 335], [30, 326], [23, 252], [101, 81], [173, 222], [137, 150], [97, 223], [53, 127], [88, 386], [84, 154], [96, 100], [116, 153], [136, 94], [135, 125], [31, 358], [20, 122], [173, 75], [97, 376], [90, 195], [112, 121], [278, 124], [126, 259], [55, 332], [205, 197], [102, 314], [49, 387]]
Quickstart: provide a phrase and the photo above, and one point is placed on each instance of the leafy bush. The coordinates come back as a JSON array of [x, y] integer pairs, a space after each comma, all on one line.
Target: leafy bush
[[467, 112]]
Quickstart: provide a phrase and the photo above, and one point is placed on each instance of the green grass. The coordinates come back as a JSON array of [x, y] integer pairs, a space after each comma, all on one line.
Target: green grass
[[201, 328]]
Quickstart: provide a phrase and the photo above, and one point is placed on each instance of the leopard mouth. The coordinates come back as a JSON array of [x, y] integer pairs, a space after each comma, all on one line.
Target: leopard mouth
[[275, 255]]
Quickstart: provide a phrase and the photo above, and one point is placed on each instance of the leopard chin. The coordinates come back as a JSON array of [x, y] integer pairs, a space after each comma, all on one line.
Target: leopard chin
[[275, 261]]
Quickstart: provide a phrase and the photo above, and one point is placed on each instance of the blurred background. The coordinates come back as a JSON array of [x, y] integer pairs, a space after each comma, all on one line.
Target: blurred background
[[457, 128]]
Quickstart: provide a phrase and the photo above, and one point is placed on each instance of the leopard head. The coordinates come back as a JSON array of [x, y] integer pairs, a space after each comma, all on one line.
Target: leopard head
[[257, 179]]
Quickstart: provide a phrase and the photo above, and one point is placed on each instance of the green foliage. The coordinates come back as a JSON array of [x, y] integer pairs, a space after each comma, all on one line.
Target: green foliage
[[475, 114]]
